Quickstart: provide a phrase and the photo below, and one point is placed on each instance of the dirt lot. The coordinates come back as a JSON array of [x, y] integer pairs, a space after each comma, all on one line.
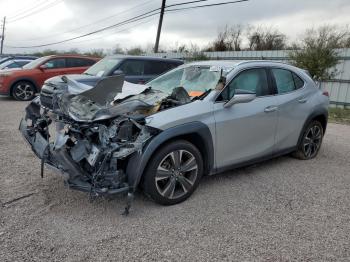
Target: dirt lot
[[280, 210]]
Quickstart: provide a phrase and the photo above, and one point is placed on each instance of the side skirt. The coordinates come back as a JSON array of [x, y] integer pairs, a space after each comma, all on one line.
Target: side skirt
[[255, 160]]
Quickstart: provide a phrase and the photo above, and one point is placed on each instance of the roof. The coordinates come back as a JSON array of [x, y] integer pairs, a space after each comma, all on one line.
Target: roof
[[227, 63], [151, 58], [68, 55]]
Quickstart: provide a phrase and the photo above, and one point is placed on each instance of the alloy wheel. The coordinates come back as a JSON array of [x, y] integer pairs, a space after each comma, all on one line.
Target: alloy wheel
[[312, 141], [176, 174], [24, 91]]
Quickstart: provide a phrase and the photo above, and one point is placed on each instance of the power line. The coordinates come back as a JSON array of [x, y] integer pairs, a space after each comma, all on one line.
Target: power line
[[186, 3], [160, 23], [93, 23], [118, 31], [37, 11], [25, 10], [208, 5], [131, 20]]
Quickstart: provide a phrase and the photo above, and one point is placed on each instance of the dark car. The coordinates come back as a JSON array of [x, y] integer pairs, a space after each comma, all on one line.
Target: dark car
[[136, 69]]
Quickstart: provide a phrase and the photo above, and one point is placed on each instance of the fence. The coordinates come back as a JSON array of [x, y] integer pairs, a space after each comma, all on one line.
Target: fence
[[338, 88]]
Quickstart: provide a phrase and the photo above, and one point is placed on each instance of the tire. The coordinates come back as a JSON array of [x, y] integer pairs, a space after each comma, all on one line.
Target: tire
[[310, 142], [169, 181], [23, 91]]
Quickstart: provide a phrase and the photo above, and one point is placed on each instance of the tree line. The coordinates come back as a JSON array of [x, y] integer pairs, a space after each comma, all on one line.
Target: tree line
[[314, 50]]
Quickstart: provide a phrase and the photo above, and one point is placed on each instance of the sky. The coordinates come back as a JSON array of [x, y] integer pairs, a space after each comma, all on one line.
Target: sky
[[38, 22]]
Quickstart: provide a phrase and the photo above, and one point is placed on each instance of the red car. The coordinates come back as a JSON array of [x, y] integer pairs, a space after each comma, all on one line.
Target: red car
[[22, 84]]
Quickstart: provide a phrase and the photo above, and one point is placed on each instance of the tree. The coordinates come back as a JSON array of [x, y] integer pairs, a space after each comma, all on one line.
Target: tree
[[118, 50], [95, 53], [265, 38], [236, 32], [135, 51], [317, 52], [194, 53], [228, 39]]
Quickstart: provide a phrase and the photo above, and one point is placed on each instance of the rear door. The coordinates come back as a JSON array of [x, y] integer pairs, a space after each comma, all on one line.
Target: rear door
[[293, 107], [77, 65], [133, 70], [153, 69], [246, 131]]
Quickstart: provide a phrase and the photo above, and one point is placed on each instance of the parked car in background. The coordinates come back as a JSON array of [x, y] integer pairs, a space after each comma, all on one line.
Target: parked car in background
[[14, 63], [4, 59], [23, 84], [136, 69], [199, 119]]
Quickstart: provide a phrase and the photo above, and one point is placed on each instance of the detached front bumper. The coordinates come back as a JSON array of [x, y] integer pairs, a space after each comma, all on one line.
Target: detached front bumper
[[60, 161]]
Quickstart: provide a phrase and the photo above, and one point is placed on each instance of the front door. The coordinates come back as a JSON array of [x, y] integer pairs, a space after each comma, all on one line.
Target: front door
[[245, 131]]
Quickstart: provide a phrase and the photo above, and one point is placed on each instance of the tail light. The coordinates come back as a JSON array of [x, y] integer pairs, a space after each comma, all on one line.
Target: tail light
[[325, 93]]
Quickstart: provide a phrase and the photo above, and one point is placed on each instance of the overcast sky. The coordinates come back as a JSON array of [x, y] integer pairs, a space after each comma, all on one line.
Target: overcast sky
[[198, 26]]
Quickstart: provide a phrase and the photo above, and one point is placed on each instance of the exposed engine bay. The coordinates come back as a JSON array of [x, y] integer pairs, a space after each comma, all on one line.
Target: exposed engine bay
[[96, 131]]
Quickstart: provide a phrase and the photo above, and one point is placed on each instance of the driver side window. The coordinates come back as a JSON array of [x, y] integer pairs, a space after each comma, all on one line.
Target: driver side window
[[251, 80], [56, 63]]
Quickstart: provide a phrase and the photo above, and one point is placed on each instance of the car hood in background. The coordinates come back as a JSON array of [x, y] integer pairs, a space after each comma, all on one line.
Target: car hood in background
[[81, 78]]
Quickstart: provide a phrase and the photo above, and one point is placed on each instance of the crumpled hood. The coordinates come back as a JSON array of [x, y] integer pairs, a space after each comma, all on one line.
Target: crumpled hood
[[110, 97]]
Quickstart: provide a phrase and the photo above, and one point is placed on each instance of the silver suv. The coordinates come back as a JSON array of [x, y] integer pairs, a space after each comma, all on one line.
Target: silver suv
[[199, 119]]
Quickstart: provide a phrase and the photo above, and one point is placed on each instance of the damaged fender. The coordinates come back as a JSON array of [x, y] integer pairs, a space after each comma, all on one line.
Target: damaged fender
[[138, 161]]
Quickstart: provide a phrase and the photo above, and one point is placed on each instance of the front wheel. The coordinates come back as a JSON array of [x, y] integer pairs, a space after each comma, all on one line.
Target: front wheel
[[23, 91], [310, 142], [173, 173]]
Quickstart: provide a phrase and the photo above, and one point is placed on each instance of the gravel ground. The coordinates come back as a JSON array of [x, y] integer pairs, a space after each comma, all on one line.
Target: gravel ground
[[280, 210]]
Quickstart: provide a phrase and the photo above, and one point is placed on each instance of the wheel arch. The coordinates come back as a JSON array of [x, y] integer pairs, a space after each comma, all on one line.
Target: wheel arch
[[320, 115], [23, 79], [196, 133]]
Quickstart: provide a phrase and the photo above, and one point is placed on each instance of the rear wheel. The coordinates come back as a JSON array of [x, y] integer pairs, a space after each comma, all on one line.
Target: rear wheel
[[23, 91], [311, 141], [173, 173]]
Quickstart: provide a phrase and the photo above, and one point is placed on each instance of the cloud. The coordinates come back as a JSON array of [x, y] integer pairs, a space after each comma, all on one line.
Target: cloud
[[197, 26]]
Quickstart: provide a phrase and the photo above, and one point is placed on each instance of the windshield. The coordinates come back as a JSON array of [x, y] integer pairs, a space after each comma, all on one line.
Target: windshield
[[3, 59], [103, 67], [196, 79], [35, 63], [6, 64]]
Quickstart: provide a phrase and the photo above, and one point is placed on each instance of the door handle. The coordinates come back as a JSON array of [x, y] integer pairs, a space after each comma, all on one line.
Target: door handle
[[270, 109], [302, 100]]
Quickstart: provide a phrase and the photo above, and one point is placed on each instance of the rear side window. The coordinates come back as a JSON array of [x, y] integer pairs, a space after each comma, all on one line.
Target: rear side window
[[298, 82], [132, 67], [286, 81], [157, 67], [251, 80], [56, 63], [79, 62], [22, 63]]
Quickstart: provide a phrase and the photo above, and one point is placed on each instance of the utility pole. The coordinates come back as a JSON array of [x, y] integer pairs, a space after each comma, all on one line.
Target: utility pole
[[3, 35], [156, 45]]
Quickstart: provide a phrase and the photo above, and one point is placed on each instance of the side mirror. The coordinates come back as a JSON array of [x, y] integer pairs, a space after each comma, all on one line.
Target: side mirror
[[118, 72], [43, 67], [240, 98]]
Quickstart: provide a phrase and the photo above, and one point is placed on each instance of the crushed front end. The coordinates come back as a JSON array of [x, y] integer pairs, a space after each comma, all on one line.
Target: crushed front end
[[92, 156], [88, 142]]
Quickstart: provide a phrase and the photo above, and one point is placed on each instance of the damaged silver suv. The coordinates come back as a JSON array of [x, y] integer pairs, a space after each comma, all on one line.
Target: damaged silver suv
[[199, 119]]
